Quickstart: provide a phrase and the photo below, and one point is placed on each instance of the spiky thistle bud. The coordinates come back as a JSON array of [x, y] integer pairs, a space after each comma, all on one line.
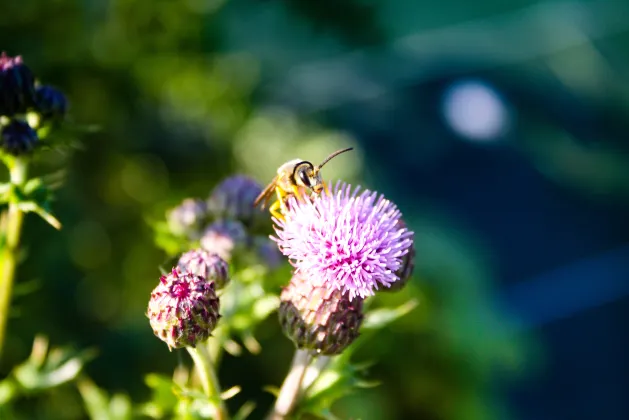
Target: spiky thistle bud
[[183, 309], [233, 199], [223, 238], [51, 102], [207, 265], [18, 138], [319, 318], [17, 85], [187, 218]]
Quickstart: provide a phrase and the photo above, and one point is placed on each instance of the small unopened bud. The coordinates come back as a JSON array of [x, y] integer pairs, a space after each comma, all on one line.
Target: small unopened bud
[[51, 102], [233, 199], [187, 218], [207, 265], [319, 318], [17, 86], [183, 309], [223, 238], [18, 138]]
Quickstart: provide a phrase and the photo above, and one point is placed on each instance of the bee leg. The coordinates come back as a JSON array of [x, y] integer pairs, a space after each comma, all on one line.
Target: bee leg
[[297, 193], [274, 210]]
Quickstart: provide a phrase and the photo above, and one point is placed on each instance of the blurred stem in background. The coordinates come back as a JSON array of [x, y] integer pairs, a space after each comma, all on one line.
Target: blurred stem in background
[[12, 229]]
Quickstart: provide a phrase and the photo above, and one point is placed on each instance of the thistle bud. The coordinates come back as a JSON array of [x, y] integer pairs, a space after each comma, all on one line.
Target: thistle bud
[[319, 318], [223, 237], [51, 103], [233, 199], [207, 265], [17, 86], [18, 138], [183, 309], [187, 218]]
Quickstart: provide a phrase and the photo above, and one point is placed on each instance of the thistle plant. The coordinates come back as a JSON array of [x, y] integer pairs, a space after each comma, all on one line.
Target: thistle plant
[[343, 247], [29, 112], [31, 125]]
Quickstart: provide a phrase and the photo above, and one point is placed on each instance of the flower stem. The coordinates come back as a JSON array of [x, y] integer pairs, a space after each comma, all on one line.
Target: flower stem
[[18, 169], [209, 380], [291, 388], [314, 371]]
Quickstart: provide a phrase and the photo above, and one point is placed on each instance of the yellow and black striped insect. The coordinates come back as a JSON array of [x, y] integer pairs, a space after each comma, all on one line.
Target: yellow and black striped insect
[[295, 177]]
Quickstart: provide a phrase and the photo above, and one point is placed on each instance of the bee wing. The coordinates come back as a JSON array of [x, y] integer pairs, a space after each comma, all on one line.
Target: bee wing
[[266, 193]]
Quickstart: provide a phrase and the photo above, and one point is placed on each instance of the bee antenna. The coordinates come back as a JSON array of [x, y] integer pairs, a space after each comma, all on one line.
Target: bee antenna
[[333, 155]]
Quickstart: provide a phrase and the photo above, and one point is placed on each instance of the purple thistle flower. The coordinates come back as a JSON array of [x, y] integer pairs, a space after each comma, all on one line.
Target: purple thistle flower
[[351, 241], [207, 265]]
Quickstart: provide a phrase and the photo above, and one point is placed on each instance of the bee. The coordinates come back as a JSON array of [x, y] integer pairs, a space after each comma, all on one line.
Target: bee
[[292, 178]]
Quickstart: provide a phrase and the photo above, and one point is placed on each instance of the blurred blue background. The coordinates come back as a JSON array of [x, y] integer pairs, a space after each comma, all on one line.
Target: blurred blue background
[[499, 128]]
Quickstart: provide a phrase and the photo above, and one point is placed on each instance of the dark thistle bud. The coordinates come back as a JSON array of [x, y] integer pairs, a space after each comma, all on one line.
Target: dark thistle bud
[[223, 238], [233, 199], [183, 309], [187, 218], [18, 138], [51, 102], [319, 318], [207, 265], [17, 86]]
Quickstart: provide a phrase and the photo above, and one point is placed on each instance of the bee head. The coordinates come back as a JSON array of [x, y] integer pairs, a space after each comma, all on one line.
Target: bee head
[[306, 175]]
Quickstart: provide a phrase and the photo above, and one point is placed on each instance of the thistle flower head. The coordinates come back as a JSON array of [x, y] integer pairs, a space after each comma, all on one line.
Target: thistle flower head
[[233, 199], [350, 240], [183, 309], [223, 237], [187, 218], [18, 138], [205, 264], [17, 85], [316, 317]]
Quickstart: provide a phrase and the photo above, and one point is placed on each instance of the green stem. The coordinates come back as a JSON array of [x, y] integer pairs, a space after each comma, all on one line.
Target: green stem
[[209, 380], [291, 388], [314, 371], [13, 228]]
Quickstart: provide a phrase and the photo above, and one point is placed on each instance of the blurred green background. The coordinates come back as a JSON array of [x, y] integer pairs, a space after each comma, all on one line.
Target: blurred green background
[[499, 128]]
